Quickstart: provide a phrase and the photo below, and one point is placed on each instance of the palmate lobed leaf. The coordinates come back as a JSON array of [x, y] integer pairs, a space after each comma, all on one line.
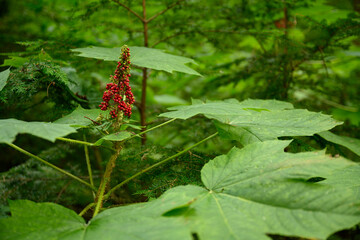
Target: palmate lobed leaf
[[256, 120], [9, 128], [142, 57], [261, 189], [248, 193]]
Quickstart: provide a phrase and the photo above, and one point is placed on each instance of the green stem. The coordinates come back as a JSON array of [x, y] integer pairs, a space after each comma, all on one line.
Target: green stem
[[86, 209], [50, 165], [88, 162], [107, 195], [150, 129]]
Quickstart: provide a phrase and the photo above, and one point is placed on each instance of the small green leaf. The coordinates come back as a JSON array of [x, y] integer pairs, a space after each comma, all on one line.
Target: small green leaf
[[126, 125], [142, 57], [3, 78], [119, 136], [9, 128], [352, 144], [80, 117]]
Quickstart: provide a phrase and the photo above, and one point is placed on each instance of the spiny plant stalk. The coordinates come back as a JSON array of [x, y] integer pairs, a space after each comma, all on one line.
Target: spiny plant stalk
[[157, 164], [106, 178], [119, 91], [108, 194]]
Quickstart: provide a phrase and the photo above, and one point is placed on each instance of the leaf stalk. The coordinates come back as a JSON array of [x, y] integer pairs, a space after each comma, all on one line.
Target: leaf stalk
[[108, 194]]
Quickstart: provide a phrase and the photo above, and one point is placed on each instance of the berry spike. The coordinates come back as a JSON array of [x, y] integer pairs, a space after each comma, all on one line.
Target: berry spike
[[119, 89]]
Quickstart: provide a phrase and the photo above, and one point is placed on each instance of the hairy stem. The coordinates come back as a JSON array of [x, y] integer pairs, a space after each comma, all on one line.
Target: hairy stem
[[51, 165], [108, 194]]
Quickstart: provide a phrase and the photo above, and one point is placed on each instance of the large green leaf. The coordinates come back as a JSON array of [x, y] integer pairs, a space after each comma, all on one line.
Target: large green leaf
[[3, 78], [256, 120], [9, 128], [80, 117], [137, 222], [142, 57], [248, 193], [352, 144]]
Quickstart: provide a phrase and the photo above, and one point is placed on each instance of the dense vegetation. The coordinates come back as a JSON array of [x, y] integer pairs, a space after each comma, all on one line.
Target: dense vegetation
[[220, 119]]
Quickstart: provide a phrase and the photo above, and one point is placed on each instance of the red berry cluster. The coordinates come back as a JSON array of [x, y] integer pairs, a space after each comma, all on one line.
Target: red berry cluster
[[119, 90]]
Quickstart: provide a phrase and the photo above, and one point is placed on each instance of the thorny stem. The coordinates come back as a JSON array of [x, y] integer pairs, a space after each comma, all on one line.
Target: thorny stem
[[108, 194], [50, 165], [106, 178], [86, 209], [88, 162], [136, 135]]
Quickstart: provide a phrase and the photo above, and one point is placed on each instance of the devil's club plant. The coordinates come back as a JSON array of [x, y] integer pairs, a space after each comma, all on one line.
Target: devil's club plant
[[248, 193], [119, 91]]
